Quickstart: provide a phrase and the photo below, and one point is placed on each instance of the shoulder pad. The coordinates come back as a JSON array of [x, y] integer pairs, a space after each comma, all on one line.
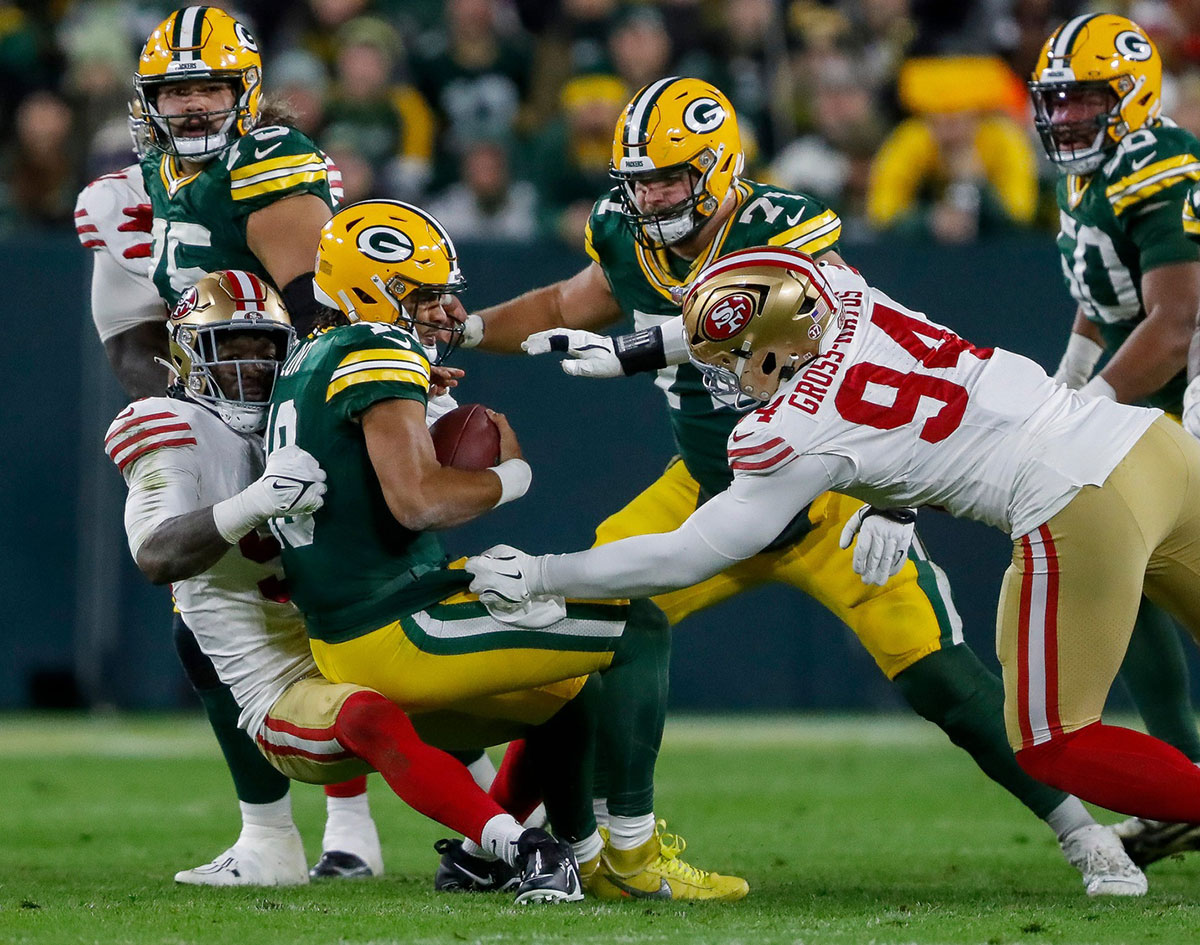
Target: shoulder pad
[[270, 161], [145, 426], [755, 445], [608, 218], [1147, 162], [113, 213]]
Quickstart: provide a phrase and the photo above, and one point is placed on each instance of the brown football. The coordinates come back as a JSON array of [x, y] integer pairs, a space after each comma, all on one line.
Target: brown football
[[466, 438]]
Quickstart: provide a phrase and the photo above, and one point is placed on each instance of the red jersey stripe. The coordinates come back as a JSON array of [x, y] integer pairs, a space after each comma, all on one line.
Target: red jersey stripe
[[136, 420], [765, 463], [151, 447]]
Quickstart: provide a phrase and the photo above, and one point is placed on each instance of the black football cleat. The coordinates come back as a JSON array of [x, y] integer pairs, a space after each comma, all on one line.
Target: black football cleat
[[549, 872], [459, 871], [334, 864], [1148, 841]]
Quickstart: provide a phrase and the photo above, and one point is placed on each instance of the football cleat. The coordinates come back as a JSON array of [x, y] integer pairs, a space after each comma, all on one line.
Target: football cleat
[[548, 872], [459, 871], [655, 871], [1106, 868], [1147, 841], [277, 861], [337, 864]]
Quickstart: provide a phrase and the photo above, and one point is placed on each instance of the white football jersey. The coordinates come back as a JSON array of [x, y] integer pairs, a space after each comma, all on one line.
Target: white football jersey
[[123, 294], [178, 456], [911, 415]]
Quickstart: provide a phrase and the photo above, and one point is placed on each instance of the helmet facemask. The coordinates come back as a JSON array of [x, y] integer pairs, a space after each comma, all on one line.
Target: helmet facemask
[[666, 226], [1079, 147], [440, 338], [229, 122]]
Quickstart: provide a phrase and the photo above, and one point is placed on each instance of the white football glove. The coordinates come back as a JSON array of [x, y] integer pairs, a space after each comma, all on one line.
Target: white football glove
[[884, 536], [501, 577], [292, 484], [1191, 408], [1078, 361], [594, 354]]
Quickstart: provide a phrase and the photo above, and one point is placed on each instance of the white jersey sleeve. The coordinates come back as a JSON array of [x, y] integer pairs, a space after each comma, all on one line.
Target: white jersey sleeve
[[112, 219]]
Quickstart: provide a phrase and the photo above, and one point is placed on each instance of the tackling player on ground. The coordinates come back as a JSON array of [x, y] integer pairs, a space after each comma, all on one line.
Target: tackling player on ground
[[680, 204], [1136, 279], [865, 396], [199, 497]]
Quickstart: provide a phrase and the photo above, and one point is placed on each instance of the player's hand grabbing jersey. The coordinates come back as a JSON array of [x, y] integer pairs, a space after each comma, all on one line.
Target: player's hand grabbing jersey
[[1123, 220], [200, 219], [112, 218], [353, 567], [176, 457], [643, 282]]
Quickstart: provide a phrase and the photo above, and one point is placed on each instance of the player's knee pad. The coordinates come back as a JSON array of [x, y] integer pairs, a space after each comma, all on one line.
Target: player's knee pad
[[199, 668]]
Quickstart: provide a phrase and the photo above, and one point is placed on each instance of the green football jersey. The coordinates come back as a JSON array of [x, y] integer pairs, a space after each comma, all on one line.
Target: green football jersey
[[351, 566], [642, 281], [200, 219], [1120, 222]]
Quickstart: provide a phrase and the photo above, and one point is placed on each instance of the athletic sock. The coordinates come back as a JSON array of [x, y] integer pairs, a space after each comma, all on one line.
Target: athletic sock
[[633, 709], [600, 809], [275, 815], [1120, 769], [588, 848], [954, 690], [425, 778], [349, 826], [1155, 673], [499, 837], [1068, 817], [627, 833], [483, 771], [515, 786]]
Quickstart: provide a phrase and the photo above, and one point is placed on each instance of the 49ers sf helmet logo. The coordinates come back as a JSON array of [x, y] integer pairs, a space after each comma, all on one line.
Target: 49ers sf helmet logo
[[187, 302], [729, 316]]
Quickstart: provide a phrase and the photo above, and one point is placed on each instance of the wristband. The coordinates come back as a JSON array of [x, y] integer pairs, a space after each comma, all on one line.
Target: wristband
[[1098, 387], [902, 516], [640, 351], [1083, 351], [515, 477], [234, 519]]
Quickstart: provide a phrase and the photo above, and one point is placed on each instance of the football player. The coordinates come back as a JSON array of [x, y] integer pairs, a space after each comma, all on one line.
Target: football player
[[199, 495], [384, 611], [681, 203], [864, 396], [1124, 173]]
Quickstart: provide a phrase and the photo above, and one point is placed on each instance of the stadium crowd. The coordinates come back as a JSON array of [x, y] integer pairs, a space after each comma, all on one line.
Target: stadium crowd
[[908, 116]]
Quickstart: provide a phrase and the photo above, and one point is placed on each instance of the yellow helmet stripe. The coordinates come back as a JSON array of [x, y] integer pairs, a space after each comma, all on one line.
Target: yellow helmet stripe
[[1060, 47], [634, 134]]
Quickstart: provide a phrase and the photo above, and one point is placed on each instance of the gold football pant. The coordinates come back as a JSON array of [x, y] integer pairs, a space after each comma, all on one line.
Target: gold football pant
[[1070, 596], [467, 679], [906, 619]]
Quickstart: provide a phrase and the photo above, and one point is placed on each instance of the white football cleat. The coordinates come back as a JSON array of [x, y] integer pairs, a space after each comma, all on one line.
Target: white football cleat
[[1107, 870], [350, 848], [274, 858]]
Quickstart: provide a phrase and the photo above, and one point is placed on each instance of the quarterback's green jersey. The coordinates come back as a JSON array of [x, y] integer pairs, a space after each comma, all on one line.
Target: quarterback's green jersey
[[642, 281], [351, 566], [200, 219], [1123, 220]]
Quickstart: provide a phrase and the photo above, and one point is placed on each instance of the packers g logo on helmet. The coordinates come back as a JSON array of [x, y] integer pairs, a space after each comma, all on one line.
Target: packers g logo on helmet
[[673, 126], [384, 244], [378, 258], [754, 318], [1090, 59], [199, 43]]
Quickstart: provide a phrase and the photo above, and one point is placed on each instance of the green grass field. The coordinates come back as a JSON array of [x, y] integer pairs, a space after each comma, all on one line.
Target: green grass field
[[850, 830]]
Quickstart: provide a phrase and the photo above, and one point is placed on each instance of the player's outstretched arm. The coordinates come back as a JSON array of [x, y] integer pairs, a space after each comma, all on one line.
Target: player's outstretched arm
[[422, 494], [183, 546], [583, 301], [284, 236], [133, 354], [1084, 348], [1157, 349], [593, 355]]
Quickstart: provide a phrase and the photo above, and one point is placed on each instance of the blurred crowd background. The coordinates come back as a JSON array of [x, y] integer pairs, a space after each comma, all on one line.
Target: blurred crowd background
[[909, 117]]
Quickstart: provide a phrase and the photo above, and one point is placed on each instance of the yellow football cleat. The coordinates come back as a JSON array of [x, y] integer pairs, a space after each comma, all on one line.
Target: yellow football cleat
[[655, 871]]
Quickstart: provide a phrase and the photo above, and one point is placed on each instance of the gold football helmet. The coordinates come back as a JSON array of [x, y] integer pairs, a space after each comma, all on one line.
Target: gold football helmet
[[199, 43], [756, 317], [672, 125], [1101, 75], [216, 331], [378, 260]]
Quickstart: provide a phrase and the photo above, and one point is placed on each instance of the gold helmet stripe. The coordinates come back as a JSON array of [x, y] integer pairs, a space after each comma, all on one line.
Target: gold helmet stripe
[[1069, 32], [635, 133]]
